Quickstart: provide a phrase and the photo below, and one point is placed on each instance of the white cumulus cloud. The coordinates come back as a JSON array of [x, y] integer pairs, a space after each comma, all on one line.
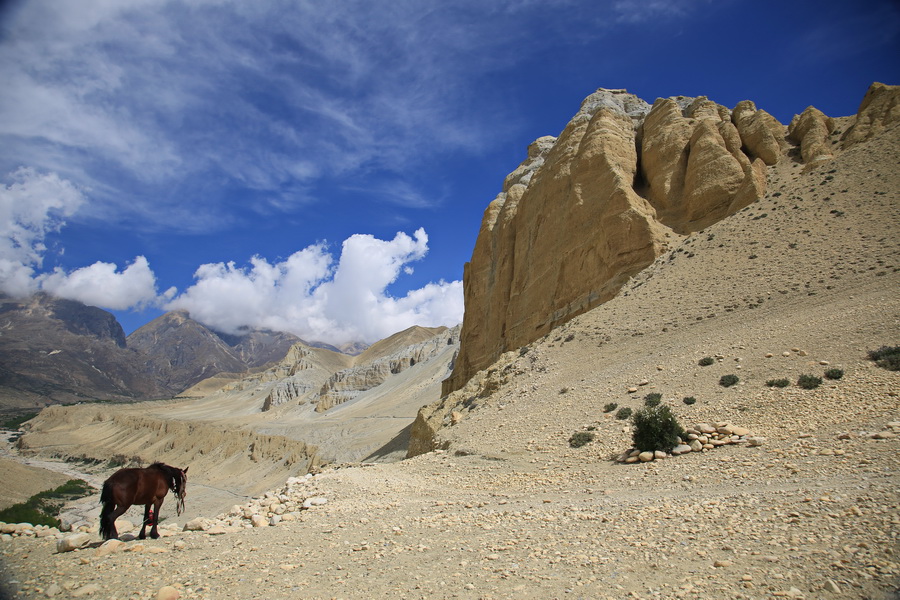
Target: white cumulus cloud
[[101, 284], [310, 296], [32, 206]]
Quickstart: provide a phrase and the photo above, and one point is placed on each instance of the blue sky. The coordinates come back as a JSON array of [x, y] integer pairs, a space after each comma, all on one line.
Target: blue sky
[[322, 167]]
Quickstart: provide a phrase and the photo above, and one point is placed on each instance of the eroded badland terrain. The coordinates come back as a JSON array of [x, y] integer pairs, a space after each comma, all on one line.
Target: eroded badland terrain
[[677, 232]]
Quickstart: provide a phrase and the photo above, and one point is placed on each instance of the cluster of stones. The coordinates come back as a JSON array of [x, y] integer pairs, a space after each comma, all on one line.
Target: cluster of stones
[[8, 531], [281, 505], [700, 438]]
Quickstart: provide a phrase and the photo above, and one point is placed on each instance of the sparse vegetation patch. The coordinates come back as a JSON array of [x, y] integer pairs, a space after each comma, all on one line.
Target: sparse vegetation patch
[[689, 400], [43, 508], [706, 361], [886, 357], [728, 380], [779, 383], [611, 406], [809, 382], [656, 428], [652, 399], [834, 374], [623, 413], [580, 438], [16, 422]]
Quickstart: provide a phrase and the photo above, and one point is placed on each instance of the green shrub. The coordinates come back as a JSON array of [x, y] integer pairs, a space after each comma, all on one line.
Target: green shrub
[[610, 407], [689, 400], [43, 508], [16, 422], [886, 357], [779, 383], [118, 460], [623, 413], [834, 373], [728, 380], [580, 438], [809, 382], [652, 399], [706, 361], [656, 428]]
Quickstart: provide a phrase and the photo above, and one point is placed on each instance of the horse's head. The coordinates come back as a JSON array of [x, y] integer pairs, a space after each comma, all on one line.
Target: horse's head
[[181, 489]]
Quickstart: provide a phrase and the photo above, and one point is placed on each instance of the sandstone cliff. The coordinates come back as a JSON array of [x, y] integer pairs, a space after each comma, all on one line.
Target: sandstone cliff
[[804, 250], [623, 182]]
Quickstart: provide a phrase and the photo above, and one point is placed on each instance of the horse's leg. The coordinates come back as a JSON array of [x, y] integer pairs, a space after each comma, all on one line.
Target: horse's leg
[[115, 514], [146, 522], [153, 533]]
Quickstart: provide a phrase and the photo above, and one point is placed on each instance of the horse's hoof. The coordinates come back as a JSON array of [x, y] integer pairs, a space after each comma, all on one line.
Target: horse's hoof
[[142, 536]]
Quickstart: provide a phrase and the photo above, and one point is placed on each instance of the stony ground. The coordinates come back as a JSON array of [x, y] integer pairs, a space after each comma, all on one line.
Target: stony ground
[[787, 520]]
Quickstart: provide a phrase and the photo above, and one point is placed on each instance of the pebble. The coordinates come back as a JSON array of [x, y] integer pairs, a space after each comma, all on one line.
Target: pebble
[[86, 590], [168, 592], [73, 542]]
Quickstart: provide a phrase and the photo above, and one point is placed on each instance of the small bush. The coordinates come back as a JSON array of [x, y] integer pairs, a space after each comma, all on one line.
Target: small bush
[[16, 422], [689, 400], [656, 428], [834, 373], [809, 382], [623, 413], [652, 399], [610, 407], [43, 508], [119, 460], [728, 380], [779, 383], [706, 361], [886, 357], [580, 438]]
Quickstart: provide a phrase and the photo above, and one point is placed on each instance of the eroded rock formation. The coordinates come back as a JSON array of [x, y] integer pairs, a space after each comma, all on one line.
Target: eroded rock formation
[[349, 383], [589, 209], [880, 108]]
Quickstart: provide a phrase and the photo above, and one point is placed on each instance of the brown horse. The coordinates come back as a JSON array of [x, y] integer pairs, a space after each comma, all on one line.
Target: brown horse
[[140, 486]]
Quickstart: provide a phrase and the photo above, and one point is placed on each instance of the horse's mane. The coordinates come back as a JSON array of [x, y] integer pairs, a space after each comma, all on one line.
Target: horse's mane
[[177, 482]]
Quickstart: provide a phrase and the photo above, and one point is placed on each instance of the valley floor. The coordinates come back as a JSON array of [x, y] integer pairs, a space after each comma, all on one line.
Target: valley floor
[[783, 520]]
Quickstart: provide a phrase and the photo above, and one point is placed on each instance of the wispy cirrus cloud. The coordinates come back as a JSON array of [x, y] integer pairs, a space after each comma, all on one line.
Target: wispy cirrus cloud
[[150, 96]]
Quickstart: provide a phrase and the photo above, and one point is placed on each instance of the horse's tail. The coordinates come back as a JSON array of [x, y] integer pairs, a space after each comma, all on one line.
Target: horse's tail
[[106, 499]]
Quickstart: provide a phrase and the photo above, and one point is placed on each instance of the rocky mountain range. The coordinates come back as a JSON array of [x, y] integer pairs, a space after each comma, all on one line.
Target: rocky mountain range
[[61, 351]]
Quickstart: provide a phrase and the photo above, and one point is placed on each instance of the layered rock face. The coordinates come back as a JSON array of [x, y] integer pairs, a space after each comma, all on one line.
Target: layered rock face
[[319, 377], [589, 209], [350, 383]]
